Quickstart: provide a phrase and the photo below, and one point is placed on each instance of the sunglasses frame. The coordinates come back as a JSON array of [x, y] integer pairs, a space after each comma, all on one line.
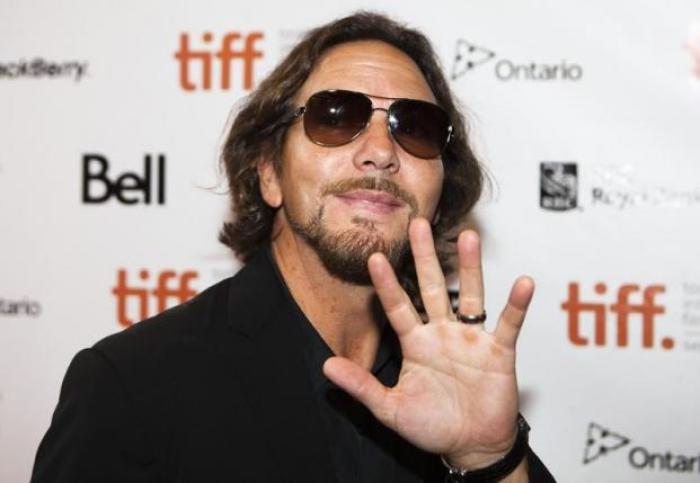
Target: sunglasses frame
[[391, 120]]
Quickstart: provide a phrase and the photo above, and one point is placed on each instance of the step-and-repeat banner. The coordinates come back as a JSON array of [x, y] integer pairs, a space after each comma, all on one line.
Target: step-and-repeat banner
[[587, 115]]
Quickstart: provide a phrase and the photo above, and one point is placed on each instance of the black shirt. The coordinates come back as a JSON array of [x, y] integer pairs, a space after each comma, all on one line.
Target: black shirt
[[363, 449]]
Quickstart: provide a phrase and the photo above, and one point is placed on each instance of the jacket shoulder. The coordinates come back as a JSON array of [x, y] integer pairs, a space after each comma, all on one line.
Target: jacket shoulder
[[194, 334], [194, 318], [156, 349]]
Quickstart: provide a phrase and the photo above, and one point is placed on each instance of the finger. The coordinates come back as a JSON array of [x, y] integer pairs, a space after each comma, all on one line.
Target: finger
[[431, 280], [471, 283], [513, 315], [361, 385], [396, 303]]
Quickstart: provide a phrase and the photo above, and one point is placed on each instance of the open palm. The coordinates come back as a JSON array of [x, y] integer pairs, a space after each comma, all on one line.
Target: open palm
[[457, 390]]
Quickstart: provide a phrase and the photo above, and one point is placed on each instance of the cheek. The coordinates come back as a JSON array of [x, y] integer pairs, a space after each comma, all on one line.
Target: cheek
[[298, 192], [429, 189], [303, 179], [297, 175], [308, 168]]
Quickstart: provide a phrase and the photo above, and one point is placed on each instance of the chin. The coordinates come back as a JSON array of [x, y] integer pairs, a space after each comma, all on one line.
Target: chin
[[344, 245], [345, 254], [344, 251]]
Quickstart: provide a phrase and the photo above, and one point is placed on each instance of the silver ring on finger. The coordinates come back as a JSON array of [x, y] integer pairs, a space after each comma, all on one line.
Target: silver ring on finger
[[471, 318]]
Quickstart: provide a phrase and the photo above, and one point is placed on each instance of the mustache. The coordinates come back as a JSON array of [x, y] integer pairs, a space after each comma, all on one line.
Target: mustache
[[379, 184]]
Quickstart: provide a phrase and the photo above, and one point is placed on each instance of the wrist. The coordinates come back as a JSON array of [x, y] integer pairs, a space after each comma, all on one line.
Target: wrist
[[473, 460], [487, 467]]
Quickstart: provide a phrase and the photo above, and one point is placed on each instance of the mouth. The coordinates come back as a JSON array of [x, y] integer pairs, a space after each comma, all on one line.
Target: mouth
[[374, 201]]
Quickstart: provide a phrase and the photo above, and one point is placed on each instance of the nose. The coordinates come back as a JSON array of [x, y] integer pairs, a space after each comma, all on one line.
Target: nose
[[377, 150]]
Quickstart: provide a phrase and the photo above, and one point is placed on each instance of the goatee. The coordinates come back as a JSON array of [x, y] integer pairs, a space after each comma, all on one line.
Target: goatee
[[344, 254]]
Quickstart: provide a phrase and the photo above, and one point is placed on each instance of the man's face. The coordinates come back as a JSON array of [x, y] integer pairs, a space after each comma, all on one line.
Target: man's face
[[350, 201]]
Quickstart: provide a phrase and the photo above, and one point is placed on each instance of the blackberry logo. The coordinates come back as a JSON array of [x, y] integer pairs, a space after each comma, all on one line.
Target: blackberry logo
[[600, 441], [558, 186], [42, 68]]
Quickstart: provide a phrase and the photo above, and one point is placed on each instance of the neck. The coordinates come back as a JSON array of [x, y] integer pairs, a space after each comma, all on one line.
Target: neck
[[344, 314]]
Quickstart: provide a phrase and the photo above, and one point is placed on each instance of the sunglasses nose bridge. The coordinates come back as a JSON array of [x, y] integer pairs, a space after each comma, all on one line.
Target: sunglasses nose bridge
[[388, 121], [378, 145], [383, 109]]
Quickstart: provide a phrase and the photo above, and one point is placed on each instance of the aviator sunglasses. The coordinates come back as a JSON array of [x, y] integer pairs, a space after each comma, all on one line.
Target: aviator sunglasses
[[337, 117]]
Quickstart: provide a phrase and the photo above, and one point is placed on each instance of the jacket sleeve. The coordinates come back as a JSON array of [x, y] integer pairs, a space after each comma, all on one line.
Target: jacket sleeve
[[537, 472], [95, 433]]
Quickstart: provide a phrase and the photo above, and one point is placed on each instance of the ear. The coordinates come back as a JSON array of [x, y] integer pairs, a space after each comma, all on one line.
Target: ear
[[269, 183]]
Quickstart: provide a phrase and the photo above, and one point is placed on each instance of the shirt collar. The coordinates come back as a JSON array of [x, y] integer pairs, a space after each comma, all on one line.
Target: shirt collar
[[316, 351]]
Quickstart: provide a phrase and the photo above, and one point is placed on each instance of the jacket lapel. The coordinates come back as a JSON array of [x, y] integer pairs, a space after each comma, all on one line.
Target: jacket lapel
[[274, 377]]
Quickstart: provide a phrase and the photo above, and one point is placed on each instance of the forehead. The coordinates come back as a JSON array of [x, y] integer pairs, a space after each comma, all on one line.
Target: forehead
[[369, 66]]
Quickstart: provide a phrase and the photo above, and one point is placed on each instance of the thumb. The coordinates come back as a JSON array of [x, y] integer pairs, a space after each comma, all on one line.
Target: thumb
[[361, 385]]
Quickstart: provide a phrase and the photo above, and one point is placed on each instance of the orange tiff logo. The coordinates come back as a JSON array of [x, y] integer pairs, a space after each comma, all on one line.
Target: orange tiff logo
[[646, 307], [163, 293], [207, 56]]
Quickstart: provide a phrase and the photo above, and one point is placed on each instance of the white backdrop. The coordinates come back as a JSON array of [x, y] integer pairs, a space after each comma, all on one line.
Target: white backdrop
[[604, 93]]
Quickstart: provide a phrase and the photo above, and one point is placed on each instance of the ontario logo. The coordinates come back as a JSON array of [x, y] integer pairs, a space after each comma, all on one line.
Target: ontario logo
[[468, 56], [601, 442]]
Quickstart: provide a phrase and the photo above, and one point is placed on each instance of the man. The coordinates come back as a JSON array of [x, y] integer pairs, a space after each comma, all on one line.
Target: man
[[315, 363]]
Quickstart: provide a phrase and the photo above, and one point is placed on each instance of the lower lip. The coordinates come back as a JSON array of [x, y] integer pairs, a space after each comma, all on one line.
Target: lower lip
[[371, 206]]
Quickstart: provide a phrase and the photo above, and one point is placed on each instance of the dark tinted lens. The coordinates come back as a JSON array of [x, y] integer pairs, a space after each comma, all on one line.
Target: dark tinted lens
[[421, 128], [333, 118]]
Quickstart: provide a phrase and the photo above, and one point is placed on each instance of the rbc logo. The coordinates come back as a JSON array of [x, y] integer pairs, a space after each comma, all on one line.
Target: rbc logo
[[646, 308], [228, 52], [162, 293], [558, 185]]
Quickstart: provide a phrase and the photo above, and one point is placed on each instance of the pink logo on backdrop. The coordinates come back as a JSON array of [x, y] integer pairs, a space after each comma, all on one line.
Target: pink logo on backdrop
[[692, 45]]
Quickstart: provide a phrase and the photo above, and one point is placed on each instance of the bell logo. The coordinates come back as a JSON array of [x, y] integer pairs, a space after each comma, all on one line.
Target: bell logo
[[162, 293], [230, 50], [647, 308], [99, 188]]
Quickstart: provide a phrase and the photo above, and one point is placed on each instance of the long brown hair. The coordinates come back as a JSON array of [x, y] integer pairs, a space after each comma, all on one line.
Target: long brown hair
[[258, 130]]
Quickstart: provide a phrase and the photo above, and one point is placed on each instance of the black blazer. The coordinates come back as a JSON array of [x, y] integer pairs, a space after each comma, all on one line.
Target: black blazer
[[213, 390]]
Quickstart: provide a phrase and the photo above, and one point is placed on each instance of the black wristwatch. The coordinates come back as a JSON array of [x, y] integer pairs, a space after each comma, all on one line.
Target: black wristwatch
[[500, 469]]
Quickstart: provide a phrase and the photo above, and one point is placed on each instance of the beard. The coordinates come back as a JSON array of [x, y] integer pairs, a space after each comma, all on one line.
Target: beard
[[345, 253]]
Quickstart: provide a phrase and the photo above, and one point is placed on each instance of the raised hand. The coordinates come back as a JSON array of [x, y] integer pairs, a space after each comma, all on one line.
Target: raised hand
[[457, 392]]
